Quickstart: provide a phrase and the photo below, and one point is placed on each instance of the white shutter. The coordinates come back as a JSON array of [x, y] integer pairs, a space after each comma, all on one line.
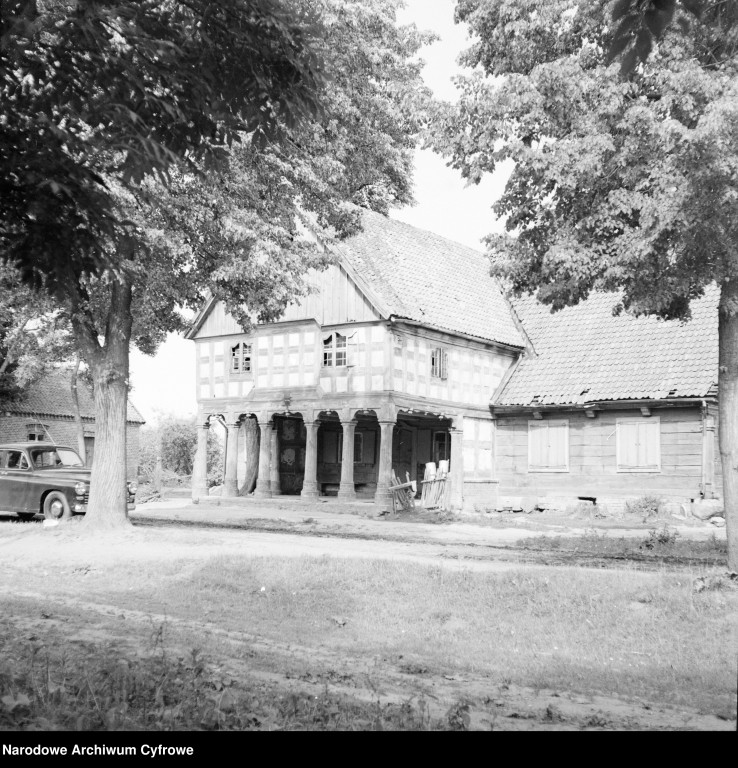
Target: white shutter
[[638, 445], [650, 439], [548, 446], [537, 444], [558, 445]]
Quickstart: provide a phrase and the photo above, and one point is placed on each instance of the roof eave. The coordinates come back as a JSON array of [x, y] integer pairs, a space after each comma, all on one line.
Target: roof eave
[[417, 323], [605, 405]]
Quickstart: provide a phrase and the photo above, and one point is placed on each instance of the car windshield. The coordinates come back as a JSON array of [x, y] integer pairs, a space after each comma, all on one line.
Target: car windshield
[[55, 457]]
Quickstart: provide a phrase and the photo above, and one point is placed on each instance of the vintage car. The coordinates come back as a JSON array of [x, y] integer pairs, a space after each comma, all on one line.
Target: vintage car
[[47, 479]]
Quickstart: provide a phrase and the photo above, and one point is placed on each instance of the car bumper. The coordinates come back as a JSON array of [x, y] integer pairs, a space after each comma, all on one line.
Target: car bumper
[[78, 508]]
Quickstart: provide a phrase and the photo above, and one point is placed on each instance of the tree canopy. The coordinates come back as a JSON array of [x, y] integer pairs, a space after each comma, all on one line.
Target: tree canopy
[[618, 183], [90, 88]]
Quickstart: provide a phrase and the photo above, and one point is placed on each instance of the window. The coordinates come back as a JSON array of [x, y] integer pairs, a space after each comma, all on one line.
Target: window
[[548, 446], [334, 351], [638, 444], [439, 363], [13, 460], [241, 358], [36, 432], [441, 446]]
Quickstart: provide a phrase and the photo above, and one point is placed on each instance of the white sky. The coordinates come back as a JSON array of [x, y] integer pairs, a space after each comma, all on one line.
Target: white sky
[[165, 384]]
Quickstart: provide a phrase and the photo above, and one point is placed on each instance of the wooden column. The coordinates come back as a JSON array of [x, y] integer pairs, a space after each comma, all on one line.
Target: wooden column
[[383, 496], [200, 464], [456, 470], [230, 482], [274, 483], [346, 490], [263, 489], [310, 489]]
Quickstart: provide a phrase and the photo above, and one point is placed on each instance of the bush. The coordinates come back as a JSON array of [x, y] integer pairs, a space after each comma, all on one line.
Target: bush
[[644, 507]]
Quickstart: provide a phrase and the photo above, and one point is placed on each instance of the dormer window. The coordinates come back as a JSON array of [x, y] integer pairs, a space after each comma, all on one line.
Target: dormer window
[[241, 358], [439, 363], [334, 351]]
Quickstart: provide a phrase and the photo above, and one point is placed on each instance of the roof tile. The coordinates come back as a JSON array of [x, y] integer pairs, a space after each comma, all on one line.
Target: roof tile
[[424, 277], [585, 354]]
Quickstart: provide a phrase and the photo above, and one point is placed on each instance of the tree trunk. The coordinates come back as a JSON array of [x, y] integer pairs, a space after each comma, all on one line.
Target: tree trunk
[[728, 426], [252, 456], [108, 505], [78, 425]]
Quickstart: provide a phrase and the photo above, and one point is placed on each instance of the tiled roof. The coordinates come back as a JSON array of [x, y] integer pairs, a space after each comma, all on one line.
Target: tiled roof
[[421, 276], [586, 354], [52, 396]]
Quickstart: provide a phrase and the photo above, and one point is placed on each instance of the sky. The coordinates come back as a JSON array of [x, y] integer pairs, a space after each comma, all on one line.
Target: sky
[[164, 385]]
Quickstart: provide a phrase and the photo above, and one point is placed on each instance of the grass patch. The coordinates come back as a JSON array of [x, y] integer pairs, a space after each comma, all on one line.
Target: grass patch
[[50, 684], [626, 633], [657, 543]]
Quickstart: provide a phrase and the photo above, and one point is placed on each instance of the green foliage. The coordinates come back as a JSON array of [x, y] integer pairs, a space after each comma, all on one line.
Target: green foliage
[[618, 184], [660, 538], [91, 90], [33, 336], [643, 507], [175, 441], [640, 25]]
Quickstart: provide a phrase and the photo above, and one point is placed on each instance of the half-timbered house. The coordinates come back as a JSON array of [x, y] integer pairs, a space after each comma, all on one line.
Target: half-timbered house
[[407, 352]]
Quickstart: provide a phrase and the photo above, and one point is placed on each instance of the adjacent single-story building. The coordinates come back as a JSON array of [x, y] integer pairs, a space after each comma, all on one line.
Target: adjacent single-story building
[[407, 351], [608, 407], [46, 412]]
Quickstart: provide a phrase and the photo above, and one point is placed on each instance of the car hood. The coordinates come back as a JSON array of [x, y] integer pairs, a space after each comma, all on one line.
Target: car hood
[[76, 475]]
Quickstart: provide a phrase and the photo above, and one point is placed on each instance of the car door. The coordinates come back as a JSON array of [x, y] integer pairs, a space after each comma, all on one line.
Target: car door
[[15, 480]]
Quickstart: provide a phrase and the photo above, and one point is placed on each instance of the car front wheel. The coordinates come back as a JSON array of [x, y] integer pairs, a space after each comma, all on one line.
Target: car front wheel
[[56, 506]]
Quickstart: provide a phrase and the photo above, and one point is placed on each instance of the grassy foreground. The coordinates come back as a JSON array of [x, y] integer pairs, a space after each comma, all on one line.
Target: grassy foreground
[[628, 634]]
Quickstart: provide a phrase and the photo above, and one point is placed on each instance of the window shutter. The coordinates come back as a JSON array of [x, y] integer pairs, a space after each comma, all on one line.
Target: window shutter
[[650, 440], [558, 445], [548, 446], [537, 444], [639, 445]]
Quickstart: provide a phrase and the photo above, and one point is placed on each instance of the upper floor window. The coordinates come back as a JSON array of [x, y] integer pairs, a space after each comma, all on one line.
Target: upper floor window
[[638, 444], [241, 358], [548, 446], [334, 350], [439, 363]]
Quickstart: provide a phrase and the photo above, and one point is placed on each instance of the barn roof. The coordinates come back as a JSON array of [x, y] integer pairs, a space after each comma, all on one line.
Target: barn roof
[[52, 396], [585, 354], [423, 277]]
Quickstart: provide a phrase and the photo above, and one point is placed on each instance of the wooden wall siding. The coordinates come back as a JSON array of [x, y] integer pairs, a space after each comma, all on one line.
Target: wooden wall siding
[[593, 462], [336, 299], [474, 371], [478, 449]]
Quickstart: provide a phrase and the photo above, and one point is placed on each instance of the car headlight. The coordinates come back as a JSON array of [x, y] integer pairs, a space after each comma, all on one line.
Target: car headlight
[[80, 489], [132, 488]]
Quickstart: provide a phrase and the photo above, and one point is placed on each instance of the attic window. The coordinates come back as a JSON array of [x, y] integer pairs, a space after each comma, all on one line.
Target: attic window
[[334, 351], [36, 432], [439, 363], [241, 358]]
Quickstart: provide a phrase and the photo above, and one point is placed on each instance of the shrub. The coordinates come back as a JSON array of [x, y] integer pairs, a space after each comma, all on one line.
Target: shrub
[[645, 507]]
